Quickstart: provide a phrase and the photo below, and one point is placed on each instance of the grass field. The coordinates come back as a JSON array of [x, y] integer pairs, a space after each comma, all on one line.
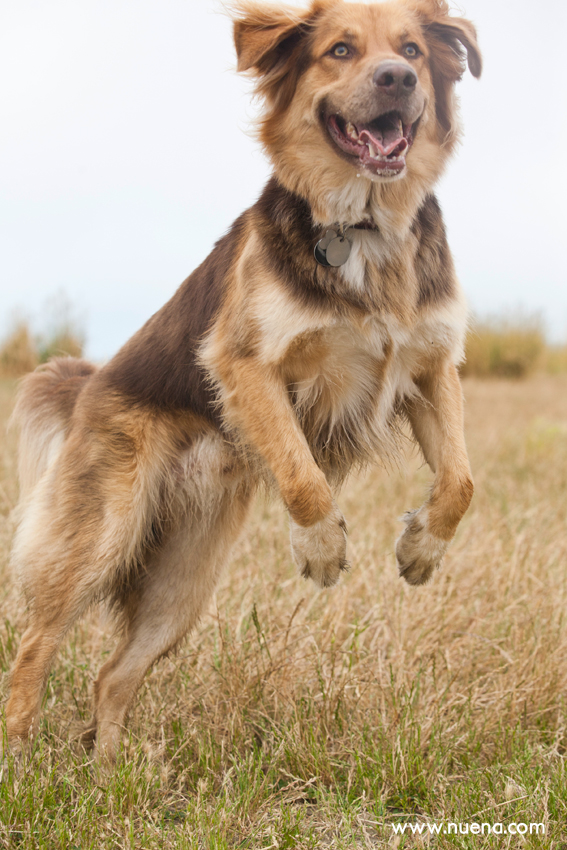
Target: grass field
[[300, 718]]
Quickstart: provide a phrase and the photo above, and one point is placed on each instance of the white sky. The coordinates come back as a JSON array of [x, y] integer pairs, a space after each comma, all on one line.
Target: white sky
[[124, 156]]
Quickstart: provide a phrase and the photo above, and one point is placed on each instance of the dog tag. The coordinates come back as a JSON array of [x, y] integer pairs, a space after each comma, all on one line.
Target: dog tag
[[323, 243], [321, 257], [321, 247], [338, 251]]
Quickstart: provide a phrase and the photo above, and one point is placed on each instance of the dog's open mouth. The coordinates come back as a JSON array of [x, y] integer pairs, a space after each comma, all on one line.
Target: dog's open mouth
[[380, 146]]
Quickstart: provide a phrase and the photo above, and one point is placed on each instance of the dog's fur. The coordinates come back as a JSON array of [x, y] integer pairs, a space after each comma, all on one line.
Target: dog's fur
[[264, 366]]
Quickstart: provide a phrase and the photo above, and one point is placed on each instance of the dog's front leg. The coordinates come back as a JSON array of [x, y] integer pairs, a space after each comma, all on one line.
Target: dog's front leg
[[437, 423], [258, 404]]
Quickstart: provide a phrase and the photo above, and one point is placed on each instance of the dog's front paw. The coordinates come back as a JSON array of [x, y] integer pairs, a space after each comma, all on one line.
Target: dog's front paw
[[320, 550], [418, 551]]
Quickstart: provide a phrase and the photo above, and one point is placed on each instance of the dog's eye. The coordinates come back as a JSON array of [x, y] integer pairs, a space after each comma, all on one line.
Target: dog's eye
[[341, 50], [411, 50]]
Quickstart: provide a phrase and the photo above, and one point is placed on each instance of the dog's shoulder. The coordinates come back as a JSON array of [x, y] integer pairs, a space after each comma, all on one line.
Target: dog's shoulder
[[158, 366], [433, 260]]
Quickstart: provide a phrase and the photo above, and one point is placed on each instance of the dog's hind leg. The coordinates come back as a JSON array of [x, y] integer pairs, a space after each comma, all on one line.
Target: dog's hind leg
[[60, 583], [80, 529], [54, 609], [168, 600], [29, 674]]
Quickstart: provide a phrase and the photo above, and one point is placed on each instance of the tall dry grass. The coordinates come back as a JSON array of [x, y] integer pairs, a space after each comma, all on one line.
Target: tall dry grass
[[509, 346], [18, 352], [61, 334], [299, 718]]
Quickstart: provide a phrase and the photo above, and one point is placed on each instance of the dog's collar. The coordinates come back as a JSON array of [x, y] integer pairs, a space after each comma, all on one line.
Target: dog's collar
[[365, 225], [334, 248]]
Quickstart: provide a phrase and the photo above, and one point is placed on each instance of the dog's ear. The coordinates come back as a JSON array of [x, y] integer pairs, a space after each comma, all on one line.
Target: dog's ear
[[263, 35], [447, 37], [452, 43], [271, 44]]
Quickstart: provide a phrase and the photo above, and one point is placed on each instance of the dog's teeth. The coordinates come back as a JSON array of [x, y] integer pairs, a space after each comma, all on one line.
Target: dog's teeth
[[351, 130], [400, 127], [372, 150]]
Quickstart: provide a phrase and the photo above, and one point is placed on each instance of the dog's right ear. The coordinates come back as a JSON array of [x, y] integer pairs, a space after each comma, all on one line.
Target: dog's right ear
[[272, 45], [266, 36]]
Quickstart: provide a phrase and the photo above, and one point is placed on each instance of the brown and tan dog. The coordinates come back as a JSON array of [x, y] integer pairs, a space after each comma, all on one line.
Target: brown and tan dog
[[267, 365]]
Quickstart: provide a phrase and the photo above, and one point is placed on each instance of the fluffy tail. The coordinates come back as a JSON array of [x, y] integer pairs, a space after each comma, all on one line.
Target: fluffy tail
[[43, 411]]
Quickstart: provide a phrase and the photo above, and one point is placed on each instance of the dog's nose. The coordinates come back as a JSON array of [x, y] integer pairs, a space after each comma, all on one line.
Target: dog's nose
[[395, 78]]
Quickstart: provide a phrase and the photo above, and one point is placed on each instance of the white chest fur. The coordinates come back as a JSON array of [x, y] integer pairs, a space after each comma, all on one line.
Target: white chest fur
[[347, 399]]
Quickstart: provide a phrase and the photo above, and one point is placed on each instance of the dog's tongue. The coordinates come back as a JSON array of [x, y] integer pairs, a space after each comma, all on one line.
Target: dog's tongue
[[388, 141]]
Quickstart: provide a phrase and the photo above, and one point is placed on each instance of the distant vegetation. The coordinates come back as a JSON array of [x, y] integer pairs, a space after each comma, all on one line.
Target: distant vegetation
[[22, 350], [511, 347]]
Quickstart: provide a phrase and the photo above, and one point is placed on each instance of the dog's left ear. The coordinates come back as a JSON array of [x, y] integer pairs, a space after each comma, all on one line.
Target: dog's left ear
[[447, 37]]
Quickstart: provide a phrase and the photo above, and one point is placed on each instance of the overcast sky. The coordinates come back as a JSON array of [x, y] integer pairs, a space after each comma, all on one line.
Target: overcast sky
[[124, 155]]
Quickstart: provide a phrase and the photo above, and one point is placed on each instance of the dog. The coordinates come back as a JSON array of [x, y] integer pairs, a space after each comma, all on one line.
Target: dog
[[328, 315]]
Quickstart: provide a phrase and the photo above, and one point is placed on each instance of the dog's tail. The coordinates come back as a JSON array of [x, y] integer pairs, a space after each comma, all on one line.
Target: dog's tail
[[43, 411]]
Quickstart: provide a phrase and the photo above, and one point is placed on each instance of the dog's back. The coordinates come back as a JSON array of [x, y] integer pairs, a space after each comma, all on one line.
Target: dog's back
[[43, 410]]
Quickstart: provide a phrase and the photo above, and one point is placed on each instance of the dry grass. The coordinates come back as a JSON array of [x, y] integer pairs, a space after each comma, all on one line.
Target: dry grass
[[511, 346], [18, 352], [298, 718], [22, 350], [506, 347], [556, 359]]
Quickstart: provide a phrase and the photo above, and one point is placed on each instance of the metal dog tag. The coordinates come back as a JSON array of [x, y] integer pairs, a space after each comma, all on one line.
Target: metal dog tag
[[321, 257], [323, 243], [321, 248], [338, 251]]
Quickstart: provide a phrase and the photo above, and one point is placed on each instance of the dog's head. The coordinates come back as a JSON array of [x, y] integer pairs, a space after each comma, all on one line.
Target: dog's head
[[356, 89]]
